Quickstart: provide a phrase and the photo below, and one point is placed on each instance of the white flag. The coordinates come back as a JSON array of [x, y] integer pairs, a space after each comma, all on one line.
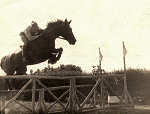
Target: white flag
[[124, 50], [100, 56]]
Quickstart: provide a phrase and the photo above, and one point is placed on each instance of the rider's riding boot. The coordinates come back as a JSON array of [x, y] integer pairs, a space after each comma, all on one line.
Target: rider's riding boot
[[23, 53]]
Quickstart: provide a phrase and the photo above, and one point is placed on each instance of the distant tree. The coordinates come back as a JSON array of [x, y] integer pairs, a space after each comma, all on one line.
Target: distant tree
[[72, 69]]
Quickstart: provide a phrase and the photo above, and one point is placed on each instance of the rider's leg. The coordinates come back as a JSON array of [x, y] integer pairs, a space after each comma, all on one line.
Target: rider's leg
[[24, 47], [24, 53]]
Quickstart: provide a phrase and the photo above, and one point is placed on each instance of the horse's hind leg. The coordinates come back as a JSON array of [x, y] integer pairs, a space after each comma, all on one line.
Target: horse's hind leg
[[21, 70], [9, 82]]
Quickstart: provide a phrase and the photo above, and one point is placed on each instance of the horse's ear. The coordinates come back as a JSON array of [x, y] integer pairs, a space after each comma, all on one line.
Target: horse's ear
[[69, 21], [66, 20]]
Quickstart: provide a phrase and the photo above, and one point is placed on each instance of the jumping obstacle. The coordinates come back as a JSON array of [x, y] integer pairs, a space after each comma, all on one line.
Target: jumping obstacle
[[72, 100]]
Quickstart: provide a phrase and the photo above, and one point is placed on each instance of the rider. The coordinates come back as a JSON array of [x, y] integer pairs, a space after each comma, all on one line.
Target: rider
[[31, 33]]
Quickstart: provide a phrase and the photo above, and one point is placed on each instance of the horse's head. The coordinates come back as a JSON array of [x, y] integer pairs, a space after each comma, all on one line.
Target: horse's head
[[62, 30], [66, 32]]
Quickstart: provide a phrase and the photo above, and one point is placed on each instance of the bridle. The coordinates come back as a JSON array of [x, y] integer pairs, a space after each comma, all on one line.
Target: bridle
[[60, 37]]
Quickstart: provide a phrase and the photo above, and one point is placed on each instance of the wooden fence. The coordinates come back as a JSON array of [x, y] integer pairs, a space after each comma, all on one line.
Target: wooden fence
[[72, 99]]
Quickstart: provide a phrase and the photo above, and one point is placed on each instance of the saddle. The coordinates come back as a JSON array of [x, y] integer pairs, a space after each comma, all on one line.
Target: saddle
[[26, 39]]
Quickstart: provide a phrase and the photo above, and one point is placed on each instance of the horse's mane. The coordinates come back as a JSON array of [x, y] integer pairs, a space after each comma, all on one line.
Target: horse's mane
[[52, 26], [55, 23]]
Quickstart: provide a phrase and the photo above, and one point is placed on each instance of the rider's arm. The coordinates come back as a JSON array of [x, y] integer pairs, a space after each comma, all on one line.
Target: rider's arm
[[28, 33], [35, 37]]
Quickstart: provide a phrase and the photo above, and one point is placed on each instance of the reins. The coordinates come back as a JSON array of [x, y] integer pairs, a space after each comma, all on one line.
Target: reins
[[60, 37]]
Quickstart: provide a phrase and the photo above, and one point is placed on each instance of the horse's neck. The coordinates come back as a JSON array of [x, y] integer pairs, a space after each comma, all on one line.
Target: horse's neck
[[52, 43], [51, 35], [51, 39]]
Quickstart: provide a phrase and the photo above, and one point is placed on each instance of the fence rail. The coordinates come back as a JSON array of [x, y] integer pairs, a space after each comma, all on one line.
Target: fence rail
[[58, 77], [76, 100]]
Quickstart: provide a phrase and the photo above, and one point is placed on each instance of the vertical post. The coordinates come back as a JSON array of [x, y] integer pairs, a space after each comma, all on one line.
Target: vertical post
[[125, 73], [100, 59], [42, 106], [42, 96], [102, 103], [3, 98], [126, 93], [40, 99], [72, 100], [100, 73], [124, 59], [33, 94], [43, 101]]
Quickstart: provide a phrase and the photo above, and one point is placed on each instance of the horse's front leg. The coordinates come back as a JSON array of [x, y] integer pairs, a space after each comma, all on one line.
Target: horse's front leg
[[53, 50], [55, 57], [59, 50], [8, 84], [59, 53]]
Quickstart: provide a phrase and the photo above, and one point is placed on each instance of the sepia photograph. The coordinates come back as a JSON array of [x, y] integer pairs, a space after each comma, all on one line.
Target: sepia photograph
[[74, 57]]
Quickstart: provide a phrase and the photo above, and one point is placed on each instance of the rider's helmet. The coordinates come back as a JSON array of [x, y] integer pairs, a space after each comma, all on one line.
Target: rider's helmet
[[34, 23], [34, 27]]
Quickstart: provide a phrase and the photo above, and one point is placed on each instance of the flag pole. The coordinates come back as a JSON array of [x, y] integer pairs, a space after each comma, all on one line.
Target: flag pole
[[100, 68], [125, 73], [124, 59], [100, 73], [126, 93]]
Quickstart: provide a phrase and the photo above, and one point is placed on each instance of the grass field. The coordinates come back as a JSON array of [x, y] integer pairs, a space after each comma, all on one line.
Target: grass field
[[14, 108]]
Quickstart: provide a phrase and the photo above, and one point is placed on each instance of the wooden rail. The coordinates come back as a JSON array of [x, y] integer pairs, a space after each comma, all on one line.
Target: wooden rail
[[77, 101], [57, 77]]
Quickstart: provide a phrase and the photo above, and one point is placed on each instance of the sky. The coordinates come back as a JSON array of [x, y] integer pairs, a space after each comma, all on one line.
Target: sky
[[96, 24]]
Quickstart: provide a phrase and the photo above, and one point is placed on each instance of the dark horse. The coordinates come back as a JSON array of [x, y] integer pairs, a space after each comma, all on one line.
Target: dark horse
[[40, 49]]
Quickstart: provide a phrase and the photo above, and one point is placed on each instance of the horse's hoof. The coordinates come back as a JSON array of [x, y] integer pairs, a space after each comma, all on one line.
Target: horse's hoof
[[51, 62], [60, 49]]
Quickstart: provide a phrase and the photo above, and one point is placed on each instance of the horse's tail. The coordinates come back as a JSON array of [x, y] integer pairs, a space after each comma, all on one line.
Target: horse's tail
[[7, 65], [1, 64]]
